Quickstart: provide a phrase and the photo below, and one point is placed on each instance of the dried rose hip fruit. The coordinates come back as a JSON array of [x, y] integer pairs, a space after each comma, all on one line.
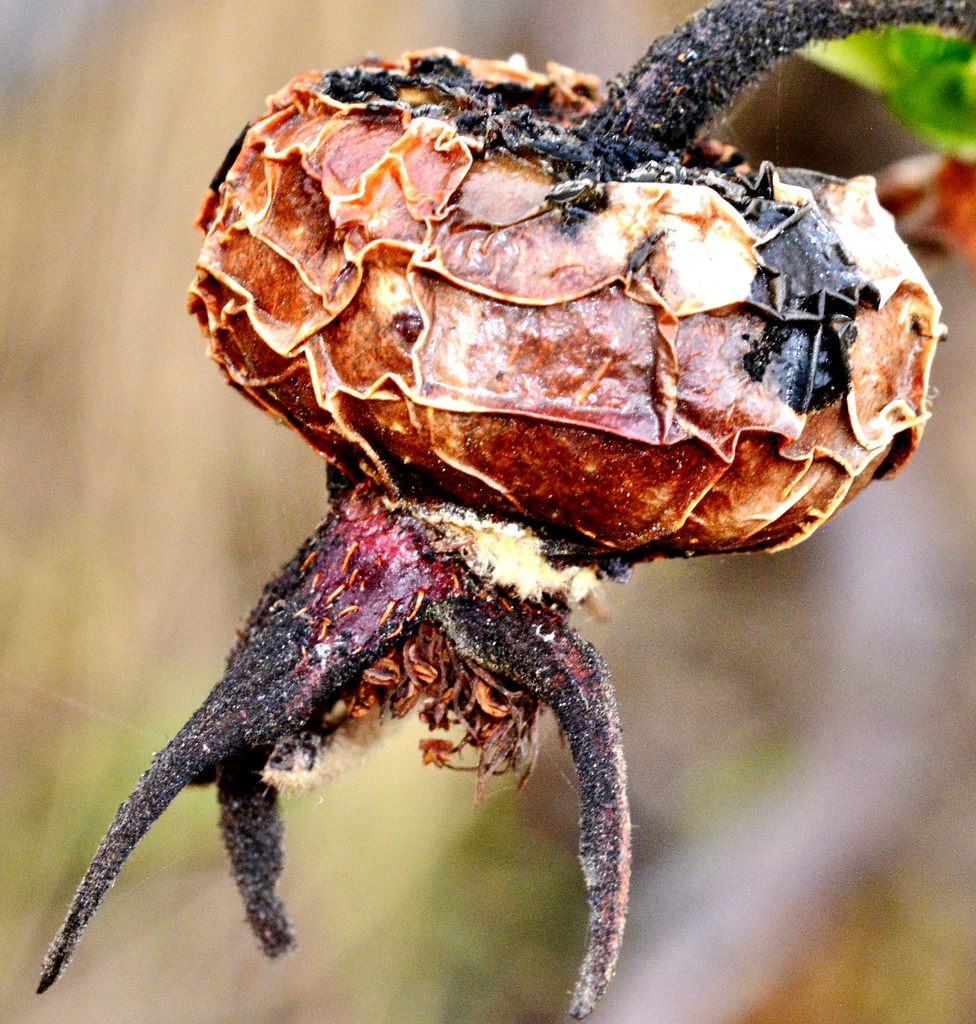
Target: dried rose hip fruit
[[540, 335], [710, 363]]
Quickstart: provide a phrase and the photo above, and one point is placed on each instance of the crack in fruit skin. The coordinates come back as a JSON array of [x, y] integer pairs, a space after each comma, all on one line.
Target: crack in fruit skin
[[529, 374]]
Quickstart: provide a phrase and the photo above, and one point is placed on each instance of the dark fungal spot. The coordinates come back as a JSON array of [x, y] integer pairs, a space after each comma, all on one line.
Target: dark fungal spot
[[360, 85], [526, 120], [436, 110], [759, 185], [436, 85], [584, 193], [445, 71], [640, 253], [408, 324], [502, 95], [576, 199], [808, 289], [809, 360]]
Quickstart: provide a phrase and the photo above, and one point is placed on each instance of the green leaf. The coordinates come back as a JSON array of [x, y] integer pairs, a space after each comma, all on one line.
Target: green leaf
[[910, 47], [928, 80], [940, 108], [862, 58]]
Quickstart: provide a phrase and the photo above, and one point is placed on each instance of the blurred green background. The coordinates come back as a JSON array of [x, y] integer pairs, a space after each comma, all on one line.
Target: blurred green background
[[799, 728]]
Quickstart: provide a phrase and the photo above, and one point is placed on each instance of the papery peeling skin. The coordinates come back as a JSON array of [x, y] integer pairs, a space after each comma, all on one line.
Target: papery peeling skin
[[410, 302]]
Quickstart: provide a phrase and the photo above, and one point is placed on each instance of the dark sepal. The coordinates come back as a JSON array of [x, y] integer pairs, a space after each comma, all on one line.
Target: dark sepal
[[312, 633], [535, 648], [253, 832], [261, 694]]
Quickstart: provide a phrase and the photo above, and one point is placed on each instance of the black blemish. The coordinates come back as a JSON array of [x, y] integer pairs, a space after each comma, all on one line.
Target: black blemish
[[810, 360], [795, 353], [808, 290], [534, 123], [445, 86], [348, 270], [408, 324], [232, 154], [584, 193], [784, 224], [576, 200], [452, 74], [617, 569], [524, 120], [360, 85], [759, 186], [870, 296], [813, 259], [640, 253], [437, 111]]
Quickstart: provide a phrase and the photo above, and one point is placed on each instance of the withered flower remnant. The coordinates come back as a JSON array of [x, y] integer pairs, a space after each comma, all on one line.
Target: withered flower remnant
[[539, 338]]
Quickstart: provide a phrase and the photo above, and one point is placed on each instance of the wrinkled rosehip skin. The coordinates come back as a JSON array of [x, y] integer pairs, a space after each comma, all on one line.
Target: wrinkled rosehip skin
[[425, 314]]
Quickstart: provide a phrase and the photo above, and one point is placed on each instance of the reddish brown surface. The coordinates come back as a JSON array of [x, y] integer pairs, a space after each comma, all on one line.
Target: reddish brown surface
[[427, 674], [423, 314]]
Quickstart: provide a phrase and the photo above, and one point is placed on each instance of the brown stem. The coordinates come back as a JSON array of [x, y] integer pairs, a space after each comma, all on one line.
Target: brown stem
[[228, 721], [687, 78]]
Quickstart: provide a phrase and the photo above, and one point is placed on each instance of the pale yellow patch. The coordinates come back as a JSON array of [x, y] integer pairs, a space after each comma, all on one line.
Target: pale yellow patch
[[338, 751], [510, 555], [796, 195], [705, 257]]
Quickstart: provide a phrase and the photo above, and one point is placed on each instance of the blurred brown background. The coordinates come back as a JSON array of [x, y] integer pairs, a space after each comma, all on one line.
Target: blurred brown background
[[800, 728]]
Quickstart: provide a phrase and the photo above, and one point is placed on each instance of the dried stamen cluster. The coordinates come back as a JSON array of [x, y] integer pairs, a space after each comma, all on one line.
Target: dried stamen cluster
[[428, 674]]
